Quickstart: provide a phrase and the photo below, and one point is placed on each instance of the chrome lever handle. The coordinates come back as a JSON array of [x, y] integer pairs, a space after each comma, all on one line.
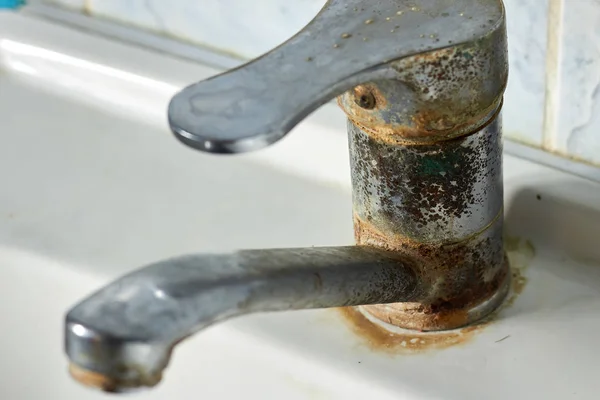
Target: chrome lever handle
[[348, 43]]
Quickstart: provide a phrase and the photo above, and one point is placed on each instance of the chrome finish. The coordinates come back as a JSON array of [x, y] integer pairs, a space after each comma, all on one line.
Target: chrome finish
[[348, 43], [126, 331], [463, 175]]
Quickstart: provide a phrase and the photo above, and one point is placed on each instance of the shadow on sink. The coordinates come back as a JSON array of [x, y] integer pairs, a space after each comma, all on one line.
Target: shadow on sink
[[563, 229]]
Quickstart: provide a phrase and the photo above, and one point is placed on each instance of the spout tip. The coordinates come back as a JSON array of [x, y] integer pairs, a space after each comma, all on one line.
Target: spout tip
[[107, 383], [114, 364]]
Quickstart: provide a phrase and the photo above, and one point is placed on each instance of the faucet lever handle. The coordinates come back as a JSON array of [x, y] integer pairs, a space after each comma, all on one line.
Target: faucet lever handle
[[348, 43]]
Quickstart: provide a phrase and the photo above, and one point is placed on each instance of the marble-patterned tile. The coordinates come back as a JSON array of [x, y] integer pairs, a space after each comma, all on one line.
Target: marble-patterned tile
[[524, 102], [244, 28], [131, 12], [578, 127]]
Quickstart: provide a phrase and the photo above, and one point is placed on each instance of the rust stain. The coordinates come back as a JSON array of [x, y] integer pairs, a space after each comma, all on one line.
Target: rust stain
[[429, 126], [367, 96], [107, 383], [455, 277], [519, 281], [405, 198], [378, 338], [92, 379], [420, 316], [435, 96], [520, 253], [419, 191]]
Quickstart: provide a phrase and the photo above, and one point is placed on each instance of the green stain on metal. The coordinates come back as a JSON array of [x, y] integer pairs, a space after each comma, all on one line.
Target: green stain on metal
[[443, 163], [467, 55], [431, 166]]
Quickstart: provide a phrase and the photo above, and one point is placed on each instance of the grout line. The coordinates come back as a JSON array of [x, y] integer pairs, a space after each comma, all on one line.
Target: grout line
[[553, 56], [553, 160]]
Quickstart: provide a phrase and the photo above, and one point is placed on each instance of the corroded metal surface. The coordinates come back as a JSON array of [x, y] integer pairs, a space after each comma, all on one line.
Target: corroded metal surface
[[425, 81], [426, 158], [441, 204], [423, 85], [458, 279], [435, 193], [433, 96], [111, 384], [122, 336], [379, 335], [453, 48]]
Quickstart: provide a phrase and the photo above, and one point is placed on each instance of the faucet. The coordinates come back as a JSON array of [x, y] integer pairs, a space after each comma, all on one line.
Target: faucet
[[422, 84]]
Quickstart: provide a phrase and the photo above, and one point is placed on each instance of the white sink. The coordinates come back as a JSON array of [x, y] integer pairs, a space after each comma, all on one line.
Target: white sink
[[93, 185]]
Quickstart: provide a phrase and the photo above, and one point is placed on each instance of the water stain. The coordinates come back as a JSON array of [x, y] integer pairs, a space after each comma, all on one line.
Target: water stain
[[520, 252], [87, 7], [393, 340], [308, 390]]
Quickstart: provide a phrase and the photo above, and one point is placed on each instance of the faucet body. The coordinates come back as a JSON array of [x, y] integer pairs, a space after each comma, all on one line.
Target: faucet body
[[413, 199], [421, 83], [426, 159]]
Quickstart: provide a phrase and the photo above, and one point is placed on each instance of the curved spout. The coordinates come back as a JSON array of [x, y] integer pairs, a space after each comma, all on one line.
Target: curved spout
[[121, 337]]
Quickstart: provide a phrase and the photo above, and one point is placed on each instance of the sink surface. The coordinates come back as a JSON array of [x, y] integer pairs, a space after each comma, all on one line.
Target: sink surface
[[94, 185]]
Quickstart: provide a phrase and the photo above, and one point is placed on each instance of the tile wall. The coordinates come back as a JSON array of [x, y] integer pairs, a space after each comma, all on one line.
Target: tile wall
[[553, 96]]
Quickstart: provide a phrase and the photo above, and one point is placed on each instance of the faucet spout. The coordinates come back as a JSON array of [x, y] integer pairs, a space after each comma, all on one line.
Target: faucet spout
[[121, 337]]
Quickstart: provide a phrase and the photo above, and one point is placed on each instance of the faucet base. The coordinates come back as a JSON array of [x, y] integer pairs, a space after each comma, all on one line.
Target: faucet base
[[461, 282], [417, 316]]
